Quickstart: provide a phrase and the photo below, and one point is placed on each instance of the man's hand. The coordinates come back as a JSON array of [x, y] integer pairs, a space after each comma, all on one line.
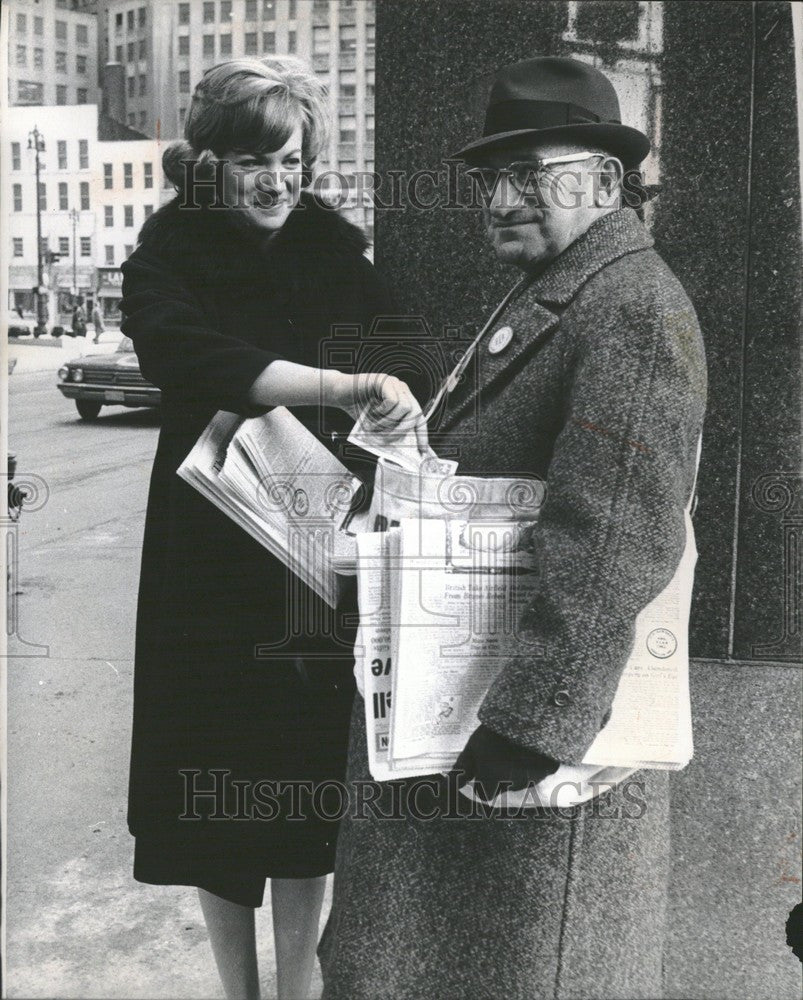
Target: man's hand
[[491, 759]]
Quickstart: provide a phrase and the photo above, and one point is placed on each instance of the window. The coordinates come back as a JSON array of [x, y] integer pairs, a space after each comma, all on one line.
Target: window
[[17, 243], [82, 34], [184, 44], [183, 13], [132, 118], [182, 115], [225, 10], [63, 200], [184, 81], [250, 43], [143, 84], [320, 39], [128, 215], [209, 45], [250, 10], [80, 65], [148, 211], [348, 38], [108, 216], [61, 147], [269, 9], [269, 41], [131, 51], [38, 26], [109, 254], [348, 89], [61, 94], [291, 10], [22, 55], [83, 154], [81, 95], [30, 92], [86, 246], [18, 197], [61, 62], [291, 41], [128, 249], [148, 174], [128, 175], [130, 20], [64, 245], [42, 196], [108, 177], [39, 58], [118, 22], [118, 53], [84, 188], [132, 86], [225, 45], [348, 134], [61, 31], [143, 120], [16, 156], [209, 11], [143, 48], [370, 38], [22, 24], [142, 16]]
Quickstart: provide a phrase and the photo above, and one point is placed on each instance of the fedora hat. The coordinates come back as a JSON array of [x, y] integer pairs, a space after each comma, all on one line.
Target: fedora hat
[[556, 98]]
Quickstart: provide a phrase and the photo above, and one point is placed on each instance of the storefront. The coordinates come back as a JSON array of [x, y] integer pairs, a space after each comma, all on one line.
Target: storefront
[[110, 291]]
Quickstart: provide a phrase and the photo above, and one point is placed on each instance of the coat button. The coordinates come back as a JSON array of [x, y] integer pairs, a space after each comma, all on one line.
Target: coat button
[[500, 340], [561, 699]]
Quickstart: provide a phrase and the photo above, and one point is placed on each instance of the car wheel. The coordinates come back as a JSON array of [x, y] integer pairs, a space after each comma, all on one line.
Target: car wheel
[[88, 409]]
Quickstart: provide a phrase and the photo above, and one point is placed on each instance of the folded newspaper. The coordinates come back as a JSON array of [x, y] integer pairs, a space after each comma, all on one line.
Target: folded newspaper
[[444, 567]]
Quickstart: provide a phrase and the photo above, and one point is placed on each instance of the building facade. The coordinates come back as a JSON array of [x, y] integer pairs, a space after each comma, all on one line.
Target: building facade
[[94, 196], [52, 51]]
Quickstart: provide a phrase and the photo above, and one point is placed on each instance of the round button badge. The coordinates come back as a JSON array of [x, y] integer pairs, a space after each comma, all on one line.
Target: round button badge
[[500, 340], [661, 643]]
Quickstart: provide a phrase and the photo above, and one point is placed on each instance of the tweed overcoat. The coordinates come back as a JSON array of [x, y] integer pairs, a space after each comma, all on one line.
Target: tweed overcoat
[[207, 309], [601, 394]]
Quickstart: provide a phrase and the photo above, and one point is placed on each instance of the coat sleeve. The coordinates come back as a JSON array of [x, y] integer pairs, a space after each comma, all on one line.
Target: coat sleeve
[[178, 347], [611, 531]]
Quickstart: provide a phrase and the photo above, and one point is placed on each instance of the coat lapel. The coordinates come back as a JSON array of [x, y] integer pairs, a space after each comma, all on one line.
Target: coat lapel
[[531, 324]]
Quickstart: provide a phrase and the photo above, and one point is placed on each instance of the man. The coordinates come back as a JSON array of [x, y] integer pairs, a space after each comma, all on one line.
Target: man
[[594, 380]]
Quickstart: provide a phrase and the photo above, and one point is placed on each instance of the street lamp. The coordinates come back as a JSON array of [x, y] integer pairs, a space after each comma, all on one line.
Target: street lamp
[[36, 141], [74, 220]]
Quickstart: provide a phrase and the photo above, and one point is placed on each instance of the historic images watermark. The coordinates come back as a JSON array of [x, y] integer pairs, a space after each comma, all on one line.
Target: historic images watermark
[[216, 795], [452, 186]]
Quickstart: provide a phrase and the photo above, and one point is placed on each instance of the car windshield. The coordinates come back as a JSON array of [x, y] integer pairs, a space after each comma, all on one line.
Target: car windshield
[[125, 346]]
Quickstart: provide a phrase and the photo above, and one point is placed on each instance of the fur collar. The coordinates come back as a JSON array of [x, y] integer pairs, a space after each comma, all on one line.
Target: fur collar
[[206, 245]]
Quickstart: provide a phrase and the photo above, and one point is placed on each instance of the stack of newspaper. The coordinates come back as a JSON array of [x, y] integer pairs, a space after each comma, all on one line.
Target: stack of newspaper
[[286, 489], [445, 568]]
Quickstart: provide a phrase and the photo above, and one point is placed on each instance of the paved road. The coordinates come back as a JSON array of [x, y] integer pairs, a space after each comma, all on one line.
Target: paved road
[[78, 925]]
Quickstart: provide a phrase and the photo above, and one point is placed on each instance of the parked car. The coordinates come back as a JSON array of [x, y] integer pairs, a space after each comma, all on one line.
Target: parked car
[[98, 380]]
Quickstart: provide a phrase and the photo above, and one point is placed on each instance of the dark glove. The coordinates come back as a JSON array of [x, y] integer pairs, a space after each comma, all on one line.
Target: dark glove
[[489, 759]]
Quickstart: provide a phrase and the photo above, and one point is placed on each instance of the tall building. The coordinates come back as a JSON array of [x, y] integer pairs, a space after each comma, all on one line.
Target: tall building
[[166, 45], [52, 51], [94, 195]]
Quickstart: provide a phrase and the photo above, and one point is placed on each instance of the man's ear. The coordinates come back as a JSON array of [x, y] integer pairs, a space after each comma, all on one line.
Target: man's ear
[[611, 174]]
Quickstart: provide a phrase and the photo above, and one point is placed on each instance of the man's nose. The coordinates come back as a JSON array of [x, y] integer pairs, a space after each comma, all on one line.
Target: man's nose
[[504, 198]]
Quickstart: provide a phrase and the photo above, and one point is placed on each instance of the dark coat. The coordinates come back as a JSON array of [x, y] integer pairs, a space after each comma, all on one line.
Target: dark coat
[[601, 394], [207, 310]]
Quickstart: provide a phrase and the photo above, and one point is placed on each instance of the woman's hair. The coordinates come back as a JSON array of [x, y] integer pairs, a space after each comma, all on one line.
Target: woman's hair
[[251, 105]]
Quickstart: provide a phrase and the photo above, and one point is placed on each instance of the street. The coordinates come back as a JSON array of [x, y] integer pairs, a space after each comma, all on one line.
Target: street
[[78, 925]]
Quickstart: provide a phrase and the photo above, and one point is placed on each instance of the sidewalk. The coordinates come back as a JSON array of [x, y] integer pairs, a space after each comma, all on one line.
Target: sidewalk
[[41, 355]]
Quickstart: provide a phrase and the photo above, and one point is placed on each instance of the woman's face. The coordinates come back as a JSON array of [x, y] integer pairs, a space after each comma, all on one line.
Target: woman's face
[[265, 187]]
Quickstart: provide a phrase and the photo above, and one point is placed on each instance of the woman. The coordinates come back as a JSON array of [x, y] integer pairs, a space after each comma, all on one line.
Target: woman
[[227, 308]]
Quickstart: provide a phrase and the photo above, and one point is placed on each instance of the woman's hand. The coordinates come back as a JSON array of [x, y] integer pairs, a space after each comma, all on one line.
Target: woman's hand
[[387, 407]]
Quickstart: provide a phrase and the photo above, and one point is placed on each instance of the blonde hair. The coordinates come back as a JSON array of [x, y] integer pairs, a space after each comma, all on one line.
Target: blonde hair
[[251, 105]]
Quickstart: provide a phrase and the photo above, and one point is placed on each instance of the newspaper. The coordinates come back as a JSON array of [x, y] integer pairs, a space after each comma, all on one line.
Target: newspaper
[[450, 624], [278, 482]]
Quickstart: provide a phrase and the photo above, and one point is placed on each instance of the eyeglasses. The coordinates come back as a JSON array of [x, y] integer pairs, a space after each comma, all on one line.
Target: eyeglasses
[[525, 176]]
